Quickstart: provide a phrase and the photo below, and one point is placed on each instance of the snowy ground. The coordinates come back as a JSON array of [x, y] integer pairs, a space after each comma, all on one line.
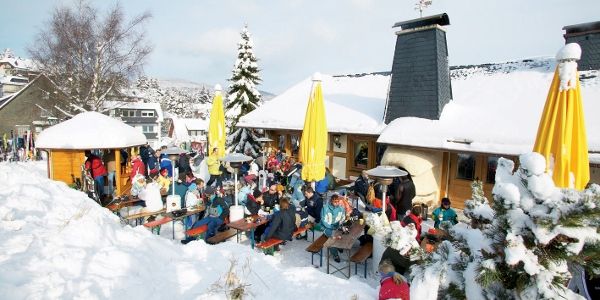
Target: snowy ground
[[57, 243]]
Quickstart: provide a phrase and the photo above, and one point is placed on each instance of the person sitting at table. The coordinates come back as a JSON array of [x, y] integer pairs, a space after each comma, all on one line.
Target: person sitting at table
[[253, 202], [414, 217], [444, 214], [216, 212], [313, 205], [332, 216], [164, 181], [283, 223], [271, 197]]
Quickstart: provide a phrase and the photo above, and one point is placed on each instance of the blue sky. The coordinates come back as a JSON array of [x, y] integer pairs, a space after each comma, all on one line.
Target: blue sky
[[196, 40]]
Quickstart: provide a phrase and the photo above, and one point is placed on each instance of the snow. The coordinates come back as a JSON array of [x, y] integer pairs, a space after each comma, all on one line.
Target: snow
[[90, 130], [496, 109], [57, 243], [353, 104]]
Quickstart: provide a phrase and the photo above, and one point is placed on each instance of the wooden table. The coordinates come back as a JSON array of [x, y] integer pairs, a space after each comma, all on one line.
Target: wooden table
[[345, 242], [243, 225], [190, 212], [139, 218]]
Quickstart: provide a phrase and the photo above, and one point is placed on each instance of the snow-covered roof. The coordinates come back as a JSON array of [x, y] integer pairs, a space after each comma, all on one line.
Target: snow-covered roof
[[196, 124], [496, 109], [90, 130], [353, 104], [181, 127], [136, 105], [17, 62]]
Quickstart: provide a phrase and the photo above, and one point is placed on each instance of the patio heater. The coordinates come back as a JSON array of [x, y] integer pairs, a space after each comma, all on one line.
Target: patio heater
[[235, 160], [173, 152], [384, 176], [263, 141]]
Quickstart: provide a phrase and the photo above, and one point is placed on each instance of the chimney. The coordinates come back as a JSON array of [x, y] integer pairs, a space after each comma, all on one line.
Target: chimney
[[420, 85], [587, 35]]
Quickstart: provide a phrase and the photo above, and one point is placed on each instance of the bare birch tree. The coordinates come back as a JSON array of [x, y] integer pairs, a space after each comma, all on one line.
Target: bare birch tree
[[89, 56]]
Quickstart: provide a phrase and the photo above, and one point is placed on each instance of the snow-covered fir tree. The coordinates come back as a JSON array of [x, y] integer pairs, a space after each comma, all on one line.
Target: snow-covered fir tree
[[518, 247], [182, 101], [243, 96]]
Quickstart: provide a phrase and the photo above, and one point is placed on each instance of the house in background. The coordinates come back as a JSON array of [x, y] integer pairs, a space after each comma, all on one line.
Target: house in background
[[190, 132], [33, 107], [15, 73], [146, 117], [447, 126]]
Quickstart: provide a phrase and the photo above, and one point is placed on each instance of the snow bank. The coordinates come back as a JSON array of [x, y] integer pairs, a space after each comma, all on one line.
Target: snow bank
[[57, 243]]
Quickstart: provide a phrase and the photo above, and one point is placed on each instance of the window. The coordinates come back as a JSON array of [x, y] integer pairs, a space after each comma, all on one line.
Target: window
[[127, 113], [281, 142], [147, 113], [295, 146], [466, 166], [361, 154], [148, 128], [492, 164]]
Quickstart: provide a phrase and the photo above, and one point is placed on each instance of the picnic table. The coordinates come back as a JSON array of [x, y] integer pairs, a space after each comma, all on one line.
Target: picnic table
[[139, 217], [244, 225], [116, 205], [345, 242]]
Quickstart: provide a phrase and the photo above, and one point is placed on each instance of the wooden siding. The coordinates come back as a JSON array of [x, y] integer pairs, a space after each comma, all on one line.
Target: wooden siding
[[66, 165]]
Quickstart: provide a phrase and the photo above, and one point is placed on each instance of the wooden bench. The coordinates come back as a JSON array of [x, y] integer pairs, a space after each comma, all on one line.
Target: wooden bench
[[362, 256], [157, 224], [196, 232], [222, 236], [317, 248], [303, 229], [140, 216], [268, 246]]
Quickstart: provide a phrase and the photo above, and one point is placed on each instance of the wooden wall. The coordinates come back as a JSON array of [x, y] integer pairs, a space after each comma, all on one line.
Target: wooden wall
[[65, 164]]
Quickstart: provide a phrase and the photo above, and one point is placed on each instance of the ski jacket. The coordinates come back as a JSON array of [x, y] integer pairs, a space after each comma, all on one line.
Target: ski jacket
[[137, 167], [165, 163], [314, 206], [96, 166], [218, 208], [282, 225], [213, 165], [252, 205], [390, 290], [331, 216], [447, 215]]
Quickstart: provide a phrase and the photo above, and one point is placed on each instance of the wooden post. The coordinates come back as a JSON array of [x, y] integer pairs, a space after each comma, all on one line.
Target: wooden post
[[118, 171]]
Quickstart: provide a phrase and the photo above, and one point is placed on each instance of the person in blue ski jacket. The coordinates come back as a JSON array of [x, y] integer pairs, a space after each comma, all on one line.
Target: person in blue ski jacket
[[444, 214], [216, 212], [332, 216], [165, 163]]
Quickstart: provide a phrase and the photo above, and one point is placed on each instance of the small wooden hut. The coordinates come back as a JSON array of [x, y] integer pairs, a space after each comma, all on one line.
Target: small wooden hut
[[66, 143]]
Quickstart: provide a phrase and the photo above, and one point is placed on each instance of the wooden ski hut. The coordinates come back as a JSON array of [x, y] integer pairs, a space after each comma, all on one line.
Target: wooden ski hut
[[66, 143]]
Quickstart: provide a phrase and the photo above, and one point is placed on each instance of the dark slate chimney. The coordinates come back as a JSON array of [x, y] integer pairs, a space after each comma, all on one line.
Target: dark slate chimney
[[587, 35], [420, 85]]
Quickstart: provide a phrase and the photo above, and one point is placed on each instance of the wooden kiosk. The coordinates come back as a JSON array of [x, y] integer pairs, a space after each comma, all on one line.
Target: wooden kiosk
[[66, 143]]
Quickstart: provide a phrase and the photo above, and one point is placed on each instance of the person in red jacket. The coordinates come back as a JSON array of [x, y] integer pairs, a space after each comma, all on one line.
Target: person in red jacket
[[415, 218], [392, 284], [137, 167], [96, 167]]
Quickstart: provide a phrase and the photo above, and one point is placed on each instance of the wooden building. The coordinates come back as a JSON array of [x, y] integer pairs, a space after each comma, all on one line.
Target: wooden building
[[66, 143]]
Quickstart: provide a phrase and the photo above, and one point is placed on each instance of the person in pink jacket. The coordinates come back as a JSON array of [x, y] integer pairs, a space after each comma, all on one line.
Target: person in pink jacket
[[393, 285], [137, 167]]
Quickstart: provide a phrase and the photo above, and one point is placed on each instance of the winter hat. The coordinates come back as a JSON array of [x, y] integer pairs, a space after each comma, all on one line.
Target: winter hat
[[256, 193], [164, 171], [209, 190], [192, 187], [153, 172], [445, 201]]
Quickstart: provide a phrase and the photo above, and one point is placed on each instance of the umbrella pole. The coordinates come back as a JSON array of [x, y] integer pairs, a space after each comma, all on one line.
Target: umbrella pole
[[384, 190]]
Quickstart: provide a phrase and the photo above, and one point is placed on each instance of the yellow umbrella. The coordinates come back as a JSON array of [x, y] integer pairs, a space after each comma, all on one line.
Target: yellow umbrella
[[216, 127], [561, 134], [313, 145]]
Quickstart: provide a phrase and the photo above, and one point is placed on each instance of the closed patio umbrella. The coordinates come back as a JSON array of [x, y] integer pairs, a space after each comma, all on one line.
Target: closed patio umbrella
[[216, 127], [313, 145], [561, 135]]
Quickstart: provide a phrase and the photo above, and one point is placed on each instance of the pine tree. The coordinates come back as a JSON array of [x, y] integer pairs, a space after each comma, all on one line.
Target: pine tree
[[243, 97], [519, 246]]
